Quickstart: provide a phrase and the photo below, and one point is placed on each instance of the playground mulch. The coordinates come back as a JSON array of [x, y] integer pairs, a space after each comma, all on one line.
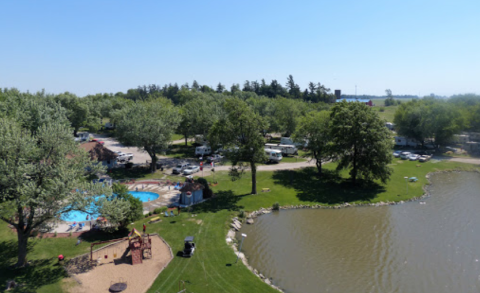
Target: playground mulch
[[115, 269]]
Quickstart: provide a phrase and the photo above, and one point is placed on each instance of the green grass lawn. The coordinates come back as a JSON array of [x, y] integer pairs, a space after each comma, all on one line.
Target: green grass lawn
[[177, 136], [212, 268]]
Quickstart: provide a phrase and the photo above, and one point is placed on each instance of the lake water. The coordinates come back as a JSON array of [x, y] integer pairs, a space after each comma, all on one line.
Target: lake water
[[78, 216], [431, 247]]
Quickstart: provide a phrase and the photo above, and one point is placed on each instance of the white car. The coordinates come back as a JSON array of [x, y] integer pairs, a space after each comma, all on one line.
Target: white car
[[405, 155], [191, 169], [396, 154], [413, 157]]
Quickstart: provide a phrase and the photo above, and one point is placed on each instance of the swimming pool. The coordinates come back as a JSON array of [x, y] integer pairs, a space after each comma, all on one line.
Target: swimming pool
[[77, 216]]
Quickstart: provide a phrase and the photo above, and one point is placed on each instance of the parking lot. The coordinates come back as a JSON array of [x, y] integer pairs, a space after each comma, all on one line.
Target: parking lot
[[139, 157]]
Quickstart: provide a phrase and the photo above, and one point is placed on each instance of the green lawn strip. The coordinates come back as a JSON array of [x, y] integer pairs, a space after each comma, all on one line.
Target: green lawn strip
[[177, 136], [212, 268]]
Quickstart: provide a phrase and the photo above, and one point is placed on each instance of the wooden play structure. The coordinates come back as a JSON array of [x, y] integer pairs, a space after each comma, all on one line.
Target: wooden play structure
[[140, 247]]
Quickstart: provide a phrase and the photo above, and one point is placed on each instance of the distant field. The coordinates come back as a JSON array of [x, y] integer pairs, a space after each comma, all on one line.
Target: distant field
[[388, 112]]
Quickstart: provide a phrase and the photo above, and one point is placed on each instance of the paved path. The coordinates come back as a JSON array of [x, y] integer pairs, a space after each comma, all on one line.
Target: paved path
[[461, 160]]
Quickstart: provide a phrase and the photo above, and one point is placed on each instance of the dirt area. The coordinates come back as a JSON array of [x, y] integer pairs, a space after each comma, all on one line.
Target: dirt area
[[116, 269]]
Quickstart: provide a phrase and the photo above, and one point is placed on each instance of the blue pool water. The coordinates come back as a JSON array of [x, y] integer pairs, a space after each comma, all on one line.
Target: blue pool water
[[77, 216]]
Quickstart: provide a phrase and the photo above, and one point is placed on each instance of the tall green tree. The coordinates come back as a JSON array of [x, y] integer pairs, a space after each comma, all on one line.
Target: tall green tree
[[240, 133], [313, 130], [77, 110], [147, 125], [42, 176], [121, 208], [411, 121], [361, 141]]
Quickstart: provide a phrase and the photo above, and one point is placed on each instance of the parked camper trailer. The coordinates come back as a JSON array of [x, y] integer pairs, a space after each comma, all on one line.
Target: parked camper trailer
[[289, 141], [273, 156], [404, 141], [285, 149], [200, 139], [203, 150]]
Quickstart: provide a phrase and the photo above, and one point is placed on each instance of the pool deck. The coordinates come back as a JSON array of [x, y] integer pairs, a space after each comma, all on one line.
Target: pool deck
[[167, 196]]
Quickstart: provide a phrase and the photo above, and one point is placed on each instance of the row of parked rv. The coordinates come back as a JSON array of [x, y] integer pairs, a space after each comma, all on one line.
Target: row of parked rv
[[274, 152]]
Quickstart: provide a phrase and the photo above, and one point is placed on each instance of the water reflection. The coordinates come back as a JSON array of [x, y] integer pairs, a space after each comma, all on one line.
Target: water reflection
[[406, 248]]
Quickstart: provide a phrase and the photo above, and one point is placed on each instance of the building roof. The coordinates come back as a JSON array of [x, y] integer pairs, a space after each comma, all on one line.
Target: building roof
[[354, 100], [98, 151], [192, 187]]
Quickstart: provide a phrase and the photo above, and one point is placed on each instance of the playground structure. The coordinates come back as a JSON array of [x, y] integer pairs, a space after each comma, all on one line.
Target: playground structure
[[140, 247]]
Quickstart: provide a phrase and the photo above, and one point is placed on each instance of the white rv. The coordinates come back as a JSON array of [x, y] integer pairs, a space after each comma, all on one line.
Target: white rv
[[200, 139], [274, 156], [405, 141], [289, 141], [203, 150], [285, 149]]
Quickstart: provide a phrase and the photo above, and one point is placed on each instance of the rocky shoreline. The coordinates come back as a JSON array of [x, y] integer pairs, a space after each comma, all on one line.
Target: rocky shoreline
[[236, 224]]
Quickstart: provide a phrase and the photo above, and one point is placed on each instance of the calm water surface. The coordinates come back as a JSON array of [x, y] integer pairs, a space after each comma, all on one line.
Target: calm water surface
[[432, 247]]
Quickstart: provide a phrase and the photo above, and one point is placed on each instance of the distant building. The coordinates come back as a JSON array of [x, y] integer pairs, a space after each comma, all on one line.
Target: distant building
[[338, 94], [100, 153], [365, 101]]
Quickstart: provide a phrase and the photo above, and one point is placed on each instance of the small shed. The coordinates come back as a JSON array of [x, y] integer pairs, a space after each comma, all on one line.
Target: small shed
[[191, 193]]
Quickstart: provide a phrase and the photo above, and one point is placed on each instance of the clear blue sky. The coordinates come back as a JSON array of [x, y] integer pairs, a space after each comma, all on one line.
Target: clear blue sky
[[85, 47]]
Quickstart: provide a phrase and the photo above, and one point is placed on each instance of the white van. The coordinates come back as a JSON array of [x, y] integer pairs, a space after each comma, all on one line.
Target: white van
[[274, 156], [289, 141], [203, 150], [285, 149]]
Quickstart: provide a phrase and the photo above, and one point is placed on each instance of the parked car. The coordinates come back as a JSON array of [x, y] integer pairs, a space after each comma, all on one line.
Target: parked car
[[179, 168], [214, 158], [191, 169], [413, 157], [405, 155], [125, 157], [396, 154], [424, 158]]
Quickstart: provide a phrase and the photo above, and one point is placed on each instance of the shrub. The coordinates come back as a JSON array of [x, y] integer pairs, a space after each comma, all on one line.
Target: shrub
[[382, 110], [70, 234], [55, 234], [147, 215], [276, 206], [159, 211], [150, 213], [241, 214]]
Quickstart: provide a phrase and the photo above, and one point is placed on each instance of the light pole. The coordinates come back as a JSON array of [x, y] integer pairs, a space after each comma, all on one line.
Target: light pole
[[406, 181], [241, 243]]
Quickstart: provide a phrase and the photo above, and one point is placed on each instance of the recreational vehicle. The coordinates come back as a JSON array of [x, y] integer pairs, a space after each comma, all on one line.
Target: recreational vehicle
[[273, 156], [285, 149], [203, 150]]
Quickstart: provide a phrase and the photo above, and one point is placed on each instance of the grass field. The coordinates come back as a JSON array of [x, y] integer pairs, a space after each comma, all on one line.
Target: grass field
[[212, 268]]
